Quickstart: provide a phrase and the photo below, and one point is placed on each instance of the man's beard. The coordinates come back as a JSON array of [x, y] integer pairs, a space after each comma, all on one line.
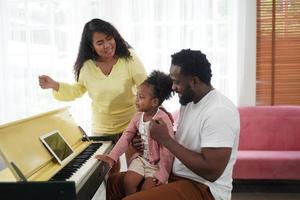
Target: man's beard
[[187, 96]]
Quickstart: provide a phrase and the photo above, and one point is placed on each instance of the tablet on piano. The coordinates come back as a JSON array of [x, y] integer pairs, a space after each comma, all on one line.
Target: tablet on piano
[[57, 146]]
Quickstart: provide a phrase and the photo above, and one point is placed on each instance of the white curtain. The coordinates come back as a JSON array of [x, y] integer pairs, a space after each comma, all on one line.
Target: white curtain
[[246, 53], [42, 37]]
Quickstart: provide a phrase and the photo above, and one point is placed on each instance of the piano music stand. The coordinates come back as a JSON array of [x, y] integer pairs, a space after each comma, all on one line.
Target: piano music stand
[[46, 190]]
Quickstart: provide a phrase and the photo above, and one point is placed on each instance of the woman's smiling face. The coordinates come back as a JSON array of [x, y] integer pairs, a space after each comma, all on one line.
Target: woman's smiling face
[[104, 45]]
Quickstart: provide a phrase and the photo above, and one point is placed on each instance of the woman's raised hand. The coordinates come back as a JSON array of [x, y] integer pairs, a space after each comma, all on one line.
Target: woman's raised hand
[[47, 82]]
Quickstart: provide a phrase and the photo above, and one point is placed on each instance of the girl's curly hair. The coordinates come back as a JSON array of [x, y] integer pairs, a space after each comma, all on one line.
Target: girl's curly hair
[[161, 84]]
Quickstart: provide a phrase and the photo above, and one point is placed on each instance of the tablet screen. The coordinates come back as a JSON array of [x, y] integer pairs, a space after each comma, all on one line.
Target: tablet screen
[[57, 146]]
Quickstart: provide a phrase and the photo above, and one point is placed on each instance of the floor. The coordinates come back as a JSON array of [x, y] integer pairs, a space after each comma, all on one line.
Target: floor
[[265, 196], [264, 190]]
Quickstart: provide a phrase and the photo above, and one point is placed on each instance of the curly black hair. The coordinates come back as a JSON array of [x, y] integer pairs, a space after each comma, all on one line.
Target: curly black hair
[[161, 84], [86, 51], [193, 63]]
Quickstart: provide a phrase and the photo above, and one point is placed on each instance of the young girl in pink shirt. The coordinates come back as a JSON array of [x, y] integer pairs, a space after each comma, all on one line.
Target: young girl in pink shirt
[[153, 166]]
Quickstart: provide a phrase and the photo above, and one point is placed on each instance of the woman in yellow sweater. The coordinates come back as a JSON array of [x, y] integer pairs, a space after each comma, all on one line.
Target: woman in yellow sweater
[[109, 71]]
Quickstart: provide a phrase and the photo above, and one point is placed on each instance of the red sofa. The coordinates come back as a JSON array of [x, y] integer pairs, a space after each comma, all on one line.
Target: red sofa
[[269, 145]]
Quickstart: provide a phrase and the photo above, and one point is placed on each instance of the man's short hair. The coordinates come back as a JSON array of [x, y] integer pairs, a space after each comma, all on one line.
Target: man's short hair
[[193, 63]]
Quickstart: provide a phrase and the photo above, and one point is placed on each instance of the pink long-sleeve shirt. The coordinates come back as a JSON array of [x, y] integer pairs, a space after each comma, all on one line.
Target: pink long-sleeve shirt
[[158, 154]]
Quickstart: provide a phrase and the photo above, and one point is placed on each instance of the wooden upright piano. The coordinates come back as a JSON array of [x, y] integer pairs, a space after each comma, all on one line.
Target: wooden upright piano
[[20, 144]]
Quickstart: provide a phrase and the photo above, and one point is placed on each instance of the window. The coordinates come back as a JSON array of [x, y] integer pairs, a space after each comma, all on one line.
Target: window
[[42, 37], [278, 50]]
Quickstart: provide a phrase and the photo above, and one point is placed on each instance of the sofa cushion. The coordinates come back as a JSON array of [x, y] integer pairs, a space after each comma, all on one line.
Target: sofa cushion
[[270, 128], [267, 165]]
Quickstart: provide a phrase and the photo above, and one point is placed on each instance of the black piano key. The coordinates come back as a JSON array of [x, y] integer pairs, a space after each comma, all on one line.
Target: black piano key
[[76, 163]]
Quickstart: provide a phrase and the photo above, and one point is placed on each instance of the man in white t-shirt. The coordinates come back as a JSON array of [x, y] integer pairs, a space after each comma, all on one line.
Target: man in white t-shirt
[[206, 141]]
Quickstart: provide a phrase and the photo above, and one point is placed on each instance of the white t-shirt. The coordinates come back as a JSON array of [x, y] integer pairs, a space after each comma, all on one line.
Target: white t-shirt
[[144, 131], [212, 122]]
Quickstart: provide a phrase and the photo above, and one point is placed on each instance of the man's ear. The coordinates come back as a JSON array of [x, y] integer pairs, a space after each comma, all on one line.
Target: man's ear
[[194, 82]]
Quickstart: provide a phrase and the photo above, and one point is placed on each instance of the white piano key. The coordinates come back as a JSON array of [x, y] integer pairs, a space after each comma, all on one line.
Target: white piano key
[[85, 171]]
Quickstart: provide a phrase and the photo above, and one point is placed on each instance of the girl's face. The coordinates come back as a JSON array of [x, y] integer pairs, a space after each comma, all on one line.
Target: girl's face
[[145, 100], [104, 45]]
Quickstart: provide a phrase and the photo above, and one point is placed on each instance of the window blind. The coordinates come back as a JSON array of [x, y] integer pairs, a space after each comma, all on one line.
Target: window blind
[[278, 52]]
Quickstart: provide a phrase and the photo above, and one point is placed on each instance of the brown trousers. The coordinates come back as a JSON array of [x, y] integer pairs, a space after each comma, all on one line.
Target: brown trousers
[[177, 189]]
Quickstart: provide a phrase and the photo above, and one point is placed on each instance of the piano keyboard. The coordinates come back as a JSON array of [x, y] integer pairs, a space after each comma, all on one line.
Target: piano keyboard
[[85, 171], [83, 165]]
